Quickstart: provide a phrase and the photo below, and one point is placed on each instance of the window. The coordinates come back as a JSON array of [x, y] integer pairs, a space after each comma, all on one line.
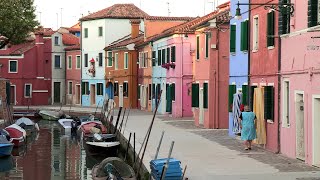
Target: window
[[233, 31], [125, 89], [198, 47], [100, 59], [195, 95], [100, 31], [163, 56], [173, 91], [205, 95], [232, 91], [270, 30], [99, 89], [245, 94], [149, 91], [268, 102], [313, 13], [57, 61], [244, 35], [85, 88], [3, 48], [255, 33], [69, 62], [116, 61], [207, 45], [86, 60], [145, 60], [116, 89], [126, 60], [286, 99], [109, 59], [159, 58], [70, 87], [56, 41], [78, 62], [153, 91], [284, 21], [173, 54], [28, 90], [13, 66], [168, 55], [154, 58], [85, 32], [158, 91], [139, 86]]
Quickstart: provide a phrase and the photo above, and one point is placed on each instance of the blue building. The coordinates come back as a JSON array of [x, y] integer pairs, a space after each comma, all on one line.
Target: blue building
[[239, 57]]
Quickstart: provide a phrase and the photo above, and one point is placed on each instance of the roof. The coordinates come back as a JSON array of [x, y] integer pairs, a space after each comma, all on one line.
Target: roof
[[70, 39], [166, 18], [117, 11], [125, 41], [73, 48], [23, 48]]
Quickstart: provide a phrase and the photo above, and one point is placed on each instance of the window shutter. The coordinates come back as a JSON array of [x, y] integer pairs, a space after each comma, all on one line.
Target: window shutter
[[312, 13], [244, 36], [251, 96], [284, 20], [207, 45], [198, 46], [173, 54], [167, 92], [245, 93], [153, 58], [87, 85], [169, 98], [149, 91], [139, 86], [205, 95], [82, 88], [168, 55], [163, 56], [173, 92], [195, 95], [233, 29], [159, 58], [270, 30], [8, 93], [232, 91], [153, 91], [268, 102]]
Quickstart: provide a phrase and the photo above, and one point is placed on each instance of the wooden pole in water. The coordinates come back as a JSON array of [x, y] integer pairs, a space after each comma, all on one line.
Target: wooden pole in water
[[184, 172], [158, 149], [125, 124], [125, 156], [124, 114], [119, 114], [149, 132], [165, 167]]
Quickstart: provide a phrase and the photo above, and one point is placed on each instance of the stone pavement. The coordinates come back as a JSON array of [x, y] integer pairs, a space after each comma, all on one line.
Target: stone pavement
[[209, 154]]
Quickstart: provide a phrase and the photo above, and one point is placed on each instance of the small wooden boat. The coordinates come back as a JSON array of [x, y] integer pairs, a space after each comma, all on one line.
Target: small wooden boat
[[113, 168], [106, 149], [69, 125], [27, 124], [17, 135], [101, 137], [88, 127], [5, 146], [51, 115]]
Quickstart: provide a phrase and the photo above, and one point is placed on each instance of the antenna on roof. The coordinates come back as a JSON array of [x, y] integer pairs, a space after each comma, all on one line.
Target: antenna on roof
[[168, 8], [61, 17]]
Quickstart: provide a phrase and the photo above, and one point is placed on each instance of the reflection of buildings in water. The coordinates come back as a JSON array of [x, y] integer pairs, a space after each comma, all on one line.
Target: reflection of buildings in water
[[58, 154], [73, 164]]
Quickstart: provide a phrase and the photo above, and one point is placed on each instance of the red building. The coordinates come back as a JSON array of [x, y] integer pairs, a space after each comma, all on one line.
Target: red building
[[28, 67], [73, 75], [264, 68]]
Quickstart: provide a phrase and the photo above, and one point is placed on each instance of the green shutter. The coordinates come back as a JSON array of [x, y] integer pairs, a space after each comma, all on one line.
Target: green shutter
[[153, 58], [168, 55], [198, 46], [270, 30], [8, 92], [232, 91], [233, 29], [82, 88], [195, 95], [207, 45], [173, 54], [205, 95], [169, 99], [312, 13], [153, 91], [159, 58], [244, 35], [268, 102], [245, 93], [251, 96], [139, 87], [173, 92], [163, 56]]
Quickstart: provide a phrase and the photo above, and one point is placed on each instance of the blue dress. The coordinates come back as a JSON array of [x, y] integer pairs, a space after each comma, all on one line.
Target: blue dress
[[248, 131]]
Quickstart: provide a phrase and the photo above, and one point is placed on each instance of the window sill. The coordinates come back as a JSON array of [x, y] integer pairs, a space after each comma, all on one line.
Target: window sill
[[270, 121], [254, 51], [109, 66], [13, 72], [57, 68], [57, 45], [270, 47], [99, 95], [233, 53], [245, 51]]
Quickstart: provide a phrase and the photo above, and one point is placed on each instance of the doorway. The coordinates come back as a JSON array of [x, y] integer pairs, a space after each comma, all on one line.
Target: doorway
[[120, 95], [56, 92], [201, 109], [299, 110], [316, 131], [13, 94], [78, 93], [93, 94]]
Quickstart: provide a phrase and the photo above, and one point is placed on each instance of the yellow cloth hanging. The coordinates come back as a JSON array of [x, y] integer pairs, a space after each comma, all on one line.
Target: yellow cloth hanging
[[258, 109]]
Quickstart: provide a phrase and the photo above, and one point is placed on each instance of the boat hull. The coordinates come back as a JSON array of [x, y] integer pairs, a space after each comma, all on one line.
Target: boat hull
[[5, 149], [48, 117], [102, 151]]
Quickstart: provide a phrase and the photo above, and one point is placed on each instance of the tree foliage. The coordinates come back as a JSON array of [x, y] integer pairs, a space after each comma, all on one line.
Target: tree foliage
[[17, 20]]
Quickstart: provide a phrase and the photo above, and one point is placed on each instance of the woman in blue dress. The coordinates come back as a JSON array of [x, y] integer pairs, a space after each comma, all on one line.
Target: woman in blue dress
[[248, 127]]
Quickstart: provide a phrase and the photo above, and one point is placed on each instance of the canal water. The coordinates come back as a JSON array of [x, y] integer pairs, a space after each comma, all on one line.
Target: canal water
[[49, 155]]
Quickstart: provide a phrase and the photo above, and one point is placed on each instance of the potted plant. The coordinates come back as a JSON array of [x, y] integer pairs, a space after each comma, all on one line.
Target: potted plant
[[172, 65], [166, 65]]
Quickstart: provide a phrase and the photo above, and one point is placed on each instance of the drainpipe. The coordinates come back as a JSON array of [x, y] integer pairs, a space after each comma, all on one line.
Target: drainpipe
[[217, 80], [81, 62], [279, 89], [181, 76], [249, 58]]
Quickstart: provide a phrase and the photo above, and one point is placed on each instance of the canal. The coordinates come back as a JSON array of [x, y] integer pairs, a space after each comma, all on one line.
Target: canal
[[49, 154]]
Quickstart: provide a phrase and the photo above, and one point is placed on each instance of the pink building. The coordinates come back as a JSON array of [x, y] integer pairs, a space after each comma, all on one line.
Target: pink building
[[73, 75], [211, 70], [300, 81]]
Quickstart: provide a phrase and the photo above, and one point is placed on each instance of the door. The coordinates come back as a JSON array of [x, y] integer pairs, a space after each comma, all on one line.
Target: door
[[169, 98], [93, 94], [120, 95], [201, 109], [56, 92], [299, 108], [78, 94], [316, 131], [13, 95]]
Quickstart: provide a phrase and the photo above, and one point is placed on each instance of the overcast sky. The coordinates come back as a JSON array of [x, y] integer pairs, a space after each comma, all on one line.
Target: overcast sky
[[72, 10]]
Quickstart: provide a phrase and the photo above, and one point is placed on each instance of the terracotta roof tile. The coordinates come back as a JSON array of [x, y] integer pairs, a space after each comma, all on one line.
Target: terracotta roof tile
[[125, 41], [23, 48], [70, 39], [117, 11], [74, 47], [166, 18]]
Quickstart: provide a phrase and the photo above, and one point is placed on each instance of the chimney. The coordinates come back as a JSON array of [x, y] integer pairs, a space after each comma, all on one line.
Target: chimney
[[135, 27], [39, 37]]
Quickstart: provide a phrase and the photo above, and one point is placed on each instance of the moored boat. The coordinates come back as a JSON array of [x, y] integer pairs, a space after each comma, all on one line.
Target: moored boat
[[5, 146], [27, 124], [90, 127], [17, 134], [108, 149], [51, 115]]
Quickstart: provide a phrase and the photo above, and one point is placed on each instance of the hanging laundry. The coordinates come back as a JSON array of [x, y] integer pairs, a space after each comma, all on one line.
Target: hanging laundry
[[258, 109], [237, 99]]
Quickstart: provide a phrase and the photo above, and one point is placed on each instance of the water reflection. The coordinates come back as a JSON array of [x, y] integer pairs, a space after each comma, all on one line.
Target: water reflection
[[49, 154]]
